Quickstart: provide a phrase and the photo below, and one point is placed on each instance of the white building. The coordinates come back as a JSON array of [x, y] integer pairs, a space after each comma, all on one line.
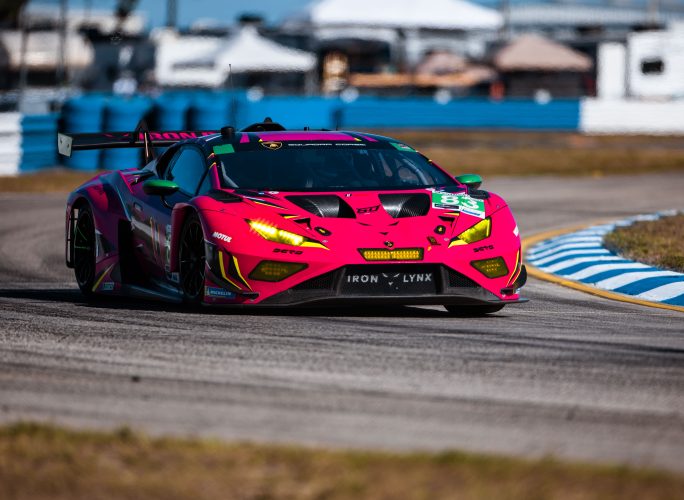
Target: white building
[[649, 66], [407, 28]]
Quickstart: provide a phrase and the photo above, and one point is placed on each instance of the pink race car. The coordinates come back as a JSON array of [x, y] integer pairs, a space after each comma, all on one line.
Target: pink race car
[[269, 217]]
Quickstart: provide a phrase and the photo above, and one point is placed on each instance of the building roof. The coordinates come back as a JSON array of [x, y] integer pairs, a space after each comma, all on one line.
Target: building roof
[[431, 14], [532, 52], [544, 15]]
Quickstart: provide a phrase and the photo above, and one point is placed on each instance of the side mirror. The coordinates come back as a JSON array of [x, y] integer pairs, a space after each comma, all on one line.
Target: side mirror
[[160, 187], [473, 181]]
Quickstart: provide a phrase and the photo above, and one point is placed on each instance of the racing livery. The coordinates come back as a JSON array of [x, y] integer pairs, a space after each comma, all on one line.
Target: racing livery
[[271, 217]]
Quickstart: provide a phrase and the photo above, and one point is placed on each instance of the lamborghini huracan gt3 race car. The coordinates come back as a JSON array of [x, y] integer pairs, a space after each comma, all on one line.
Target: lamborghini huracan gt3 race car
[[272, 217]]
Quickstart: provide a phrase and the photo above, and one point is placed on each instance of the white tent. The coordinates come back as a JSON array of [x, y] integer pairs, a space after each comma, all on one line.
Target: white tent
[[250, 52], [410, 14], [204, 61]]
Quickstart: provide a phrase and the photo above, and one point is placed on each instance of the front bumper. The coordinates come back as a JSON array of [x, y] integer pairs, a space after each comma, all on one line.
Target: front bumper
[[397, 284]]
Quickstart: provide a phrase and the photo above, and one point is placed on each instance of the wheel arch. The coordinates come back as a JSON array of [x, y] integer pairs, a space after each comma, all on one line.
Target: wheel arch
[[74, 204], [180, 213]]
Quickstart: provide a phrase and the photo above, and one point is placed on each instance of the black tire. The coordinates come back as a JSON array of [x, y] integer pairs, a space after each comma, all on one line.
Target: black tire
[[473, 311], [192, 260], [84, 250]]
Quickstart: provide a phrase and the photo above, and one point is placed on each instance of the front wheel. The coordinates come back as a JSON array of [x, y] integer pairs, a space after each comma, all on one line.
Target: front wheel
[[192, 260], [473, 311]]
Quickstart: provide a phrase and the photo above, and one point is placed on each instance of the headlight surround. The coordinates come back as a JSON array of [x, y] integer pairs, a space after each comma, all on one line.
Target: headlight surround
[[479, 231], [277, 235]]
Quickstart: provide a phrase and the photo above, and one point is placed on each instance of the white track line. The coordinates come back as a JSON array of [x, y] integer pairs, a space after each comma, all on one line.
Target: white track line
[[628, 278], [664, 292]]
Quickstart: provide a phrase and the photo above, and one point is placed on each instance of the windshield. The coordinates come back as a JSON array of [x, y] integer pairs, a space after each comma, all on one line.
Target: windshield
[[331, 167]]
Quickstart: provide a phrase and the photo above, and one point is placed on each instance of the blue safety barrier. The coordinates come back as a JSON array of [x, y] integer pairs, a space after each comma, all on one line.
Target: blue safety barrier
[[467, 113], [38, 142], [123, 114], [171, 111], [211, 110], [296, 113], [83, 115]]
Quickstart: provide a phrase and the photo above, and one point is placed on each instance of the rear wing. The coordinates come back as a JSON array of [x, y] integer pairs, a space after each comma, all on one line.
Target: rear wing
[[66, 143]]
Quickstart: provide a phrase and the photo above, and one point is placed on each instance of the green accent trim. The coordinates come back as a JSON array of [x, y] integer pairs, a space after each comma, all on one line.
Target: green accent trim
[[402, 147], [224, 149], [472, 180], [160, 187]]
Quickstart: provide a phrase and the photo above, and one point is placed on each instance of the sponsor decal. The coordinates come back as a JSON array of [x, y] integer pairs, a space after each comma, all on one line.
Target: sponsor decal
[[389, 278], [224, 149], [463, 202], [368, 210], [402, 147], [483, 248], [167, 248], [273, 145], [220, 293], [222, 237], [285, 250], [165, 136], [107, 286]]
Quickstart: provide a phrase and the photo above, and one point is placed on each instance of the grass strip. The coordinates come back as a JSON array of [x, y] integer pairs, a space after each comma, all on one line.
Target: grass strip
[[659, 243], [55, 180], [42, 461], [490, 153]]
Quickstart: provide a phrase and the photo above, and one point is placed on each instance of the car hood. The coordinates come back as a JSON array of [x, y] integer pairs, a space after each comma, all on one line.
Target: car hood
[[368, 218]]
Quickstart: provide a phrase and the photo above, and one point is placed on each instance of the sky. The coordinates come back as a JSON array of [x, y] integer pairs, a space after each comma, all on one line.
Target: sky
[[273, 11], [189, 11]]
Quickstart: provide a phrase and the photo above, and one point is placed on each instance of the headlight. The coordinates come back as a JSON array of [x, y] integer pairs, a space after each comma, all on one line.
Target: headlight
[[274, 271], [272, 233], [478, 232], [491, 268], [397, 254]]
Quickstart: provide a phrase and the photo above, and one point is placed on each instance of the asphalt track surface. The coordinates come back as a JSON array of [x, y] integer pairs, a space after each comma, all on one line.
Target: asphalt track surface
[[567, 374]]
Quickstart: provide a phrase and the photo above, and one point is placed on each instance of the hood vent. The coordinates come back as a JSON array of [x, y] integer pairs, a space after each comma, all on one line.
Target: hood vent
[[324, 206], [405, 205]]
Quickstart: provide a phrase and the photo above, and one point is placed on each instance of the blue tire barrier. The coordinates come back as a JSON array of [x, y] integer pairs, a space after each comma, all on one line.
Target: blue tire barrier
[[171, 111], [84, 115], [367, 112], [38, 142], [210, 111], [121, 115], [295, 113]]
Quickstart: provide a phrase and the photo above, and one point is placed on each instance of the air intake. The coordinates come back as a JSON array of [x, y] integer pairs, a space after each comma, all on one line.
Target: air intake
[[324, 206], [405, 205]]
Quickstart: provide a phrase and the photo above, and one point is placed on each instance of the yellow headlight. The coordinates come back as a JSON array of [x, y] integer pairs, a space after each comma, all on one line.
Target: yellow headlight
[[275, 234], [398, 254], [492, 268], [271, 270], [478, 232]]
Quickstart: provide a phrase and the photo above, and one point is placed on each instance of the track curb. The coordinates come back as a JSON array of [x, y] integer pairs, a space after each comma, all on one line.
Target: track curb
[[533, 271]]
